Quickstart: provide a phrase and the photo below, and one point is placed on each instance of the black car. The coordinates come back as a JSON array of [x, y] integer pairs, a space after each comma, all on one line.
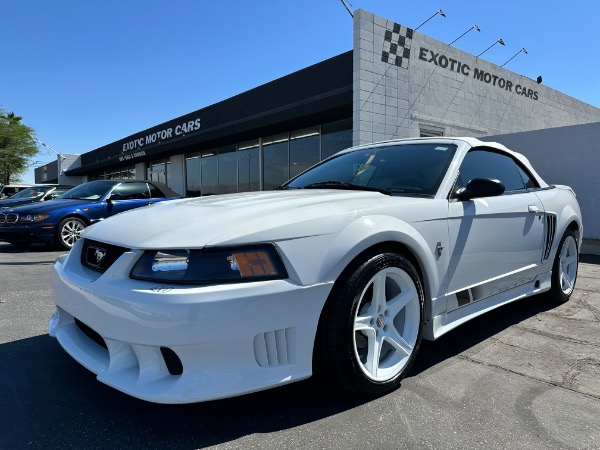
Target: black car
[[34, 194]]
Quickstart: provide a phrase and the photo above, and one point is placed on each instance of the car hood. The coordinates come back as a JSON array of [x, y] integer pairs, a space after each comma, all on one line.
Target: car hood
[[243, 218], [10, 203], [49, 206]]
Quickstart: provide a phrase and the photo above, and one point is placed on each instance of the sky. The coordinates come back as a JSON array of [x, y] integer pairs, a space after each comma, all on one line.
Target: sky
[[86, 74]]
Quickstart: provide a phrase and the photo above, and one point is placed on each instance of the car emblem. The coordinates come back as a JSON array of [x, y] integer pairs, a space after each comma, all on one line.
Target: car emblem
[[95, 256]]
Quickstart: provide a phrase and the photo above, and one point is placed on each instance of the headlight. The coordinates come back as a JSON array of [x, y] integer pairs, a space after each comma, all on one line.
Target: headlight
[[212, 266], [33, 217]]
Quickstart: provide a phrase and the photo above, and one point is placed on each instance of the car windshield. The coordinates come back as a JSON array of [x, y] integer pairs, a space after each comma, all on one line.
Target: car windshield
[[30, 193], [89, 191], [404, 169]]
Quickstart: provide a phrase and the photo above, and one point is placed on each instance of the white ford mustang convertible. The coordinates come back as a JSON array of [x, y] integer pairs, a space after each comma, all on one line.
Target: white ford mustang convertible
[[341, 272]]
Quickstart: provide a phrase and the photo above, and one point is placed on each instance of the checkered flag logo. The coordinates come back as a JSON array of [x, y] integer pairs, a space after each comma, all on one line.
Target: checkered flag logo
[[396, 46]]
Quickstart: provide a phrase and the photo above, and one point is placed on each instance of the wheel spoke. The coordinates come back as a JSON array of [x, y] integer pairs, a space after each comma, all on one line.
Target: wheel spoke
[[568, 260], [363, 323], [565, 282], [397, 341], [399, 302], [374, 352], [379, 300]]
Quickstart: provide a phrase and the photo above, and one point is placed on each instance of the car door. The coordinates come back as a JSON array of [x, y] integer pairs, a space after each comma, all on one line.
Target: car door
[[495, 242]]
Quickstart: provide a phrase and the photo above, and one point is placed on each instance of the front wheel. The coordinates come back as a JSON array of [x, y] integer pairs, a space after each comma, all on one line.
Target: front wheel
[[371, 328], [564, 268], [68, 231]]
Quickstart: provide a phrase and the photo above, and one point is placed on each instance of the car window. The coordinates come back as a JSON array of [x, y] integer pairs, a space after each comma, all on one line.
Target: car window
[[479, 163], [155, 192], [528, 180], [131, 191], [406, 169], [29, 193], [59, 191], [92, 190]]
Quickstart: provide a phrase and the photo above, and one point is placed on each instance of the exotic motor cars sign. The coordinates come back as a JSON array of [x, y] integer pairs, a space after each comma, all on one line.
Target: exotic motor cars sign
[[441, 60]]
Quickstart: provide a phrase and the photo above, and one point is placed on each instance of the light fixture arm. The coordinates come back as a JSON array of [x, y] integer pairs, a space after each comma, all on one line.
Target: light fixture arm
[[514, 56], [499, 41], [347, 8], [439, 11], [474, 27]]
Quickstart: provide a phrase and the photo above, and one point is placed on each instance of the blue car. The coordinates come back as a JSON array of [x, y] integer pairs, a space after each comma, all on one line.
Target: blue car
[[34, 194], [59, 222]]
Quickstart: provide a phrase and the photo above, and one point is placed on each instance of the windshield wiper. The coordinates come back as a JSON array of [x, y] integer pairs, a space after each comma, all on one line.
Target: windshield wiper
[[345, 185]]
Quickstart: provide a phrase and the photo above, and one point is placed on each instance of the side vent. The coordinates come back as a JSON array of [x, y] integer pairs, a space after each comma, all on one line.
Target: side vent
[[275, 348], [549, 236]]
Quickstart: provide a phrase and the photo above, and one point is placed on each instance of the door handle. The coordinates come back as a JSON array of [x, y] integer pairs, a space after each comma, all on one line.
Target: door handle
[[534, 209]]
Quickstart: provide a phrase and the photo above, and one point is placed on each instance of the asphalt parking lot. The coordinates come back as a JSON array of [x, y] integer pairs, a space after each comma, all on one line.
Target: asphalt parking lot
[[524, 376]]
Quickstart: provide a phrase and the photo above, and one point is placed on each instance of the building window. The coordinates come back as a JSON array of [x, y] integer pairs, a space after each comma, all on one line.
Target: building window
[[276, 161], [227, 169], [158, 171], [122, 173], [335, 136], [239, 168], [209, 167], [248, 166], [193, 175], [430, 130], [304, 150]]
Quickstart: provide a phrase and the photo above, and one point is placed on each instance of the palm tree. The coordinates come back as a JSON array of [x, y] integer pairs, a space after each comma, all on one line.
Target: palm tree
[[11, 118]]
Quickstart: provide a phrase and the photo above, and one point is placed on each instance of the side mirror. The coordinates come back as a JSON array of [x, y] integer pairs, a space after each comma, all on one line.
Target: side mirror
[[480, 187], [114, 197]]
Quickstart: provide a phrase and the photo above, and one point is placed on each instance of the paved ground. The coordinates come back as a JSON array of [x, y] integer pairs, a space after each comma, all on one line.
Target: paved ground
[[524, 376]]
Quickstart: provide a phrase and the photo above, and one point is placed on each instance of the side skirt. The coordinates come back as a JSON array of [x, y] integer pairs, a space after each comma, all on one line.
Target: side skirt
[[447, 321]]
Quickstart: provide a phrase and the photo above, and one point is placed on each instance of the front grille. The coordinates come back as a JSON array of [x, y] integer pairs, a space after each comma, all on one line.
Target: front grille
[[91, 333], [99, 256], [12, 218], [2, 218]]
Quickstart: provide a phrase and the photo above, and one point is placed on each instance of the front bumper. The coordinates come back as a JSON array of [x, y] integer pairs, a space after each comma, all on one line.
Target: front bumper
[[230, 339], [30, 233]]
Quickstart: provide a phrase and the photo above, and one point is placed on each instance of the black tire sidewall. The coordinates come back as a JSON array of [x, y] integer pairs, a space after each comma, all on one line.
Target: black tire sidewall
[[344, 367], [556, 293]]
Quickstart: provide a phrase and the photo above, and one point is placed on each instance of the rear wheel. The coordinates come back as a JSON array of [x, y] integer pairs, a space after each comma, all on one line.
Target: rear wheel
[[68, 231], [371, 328], [564, 269]]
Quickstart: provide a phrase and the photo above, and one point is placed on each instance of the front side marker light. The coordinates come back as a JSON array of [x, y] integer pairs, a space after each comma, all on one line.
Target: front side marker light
[[252, 263]]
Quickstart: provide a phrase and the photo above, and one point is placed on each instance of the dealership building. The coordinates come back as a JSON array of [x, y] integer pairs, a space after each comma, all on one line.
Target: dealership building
[[394, 83]]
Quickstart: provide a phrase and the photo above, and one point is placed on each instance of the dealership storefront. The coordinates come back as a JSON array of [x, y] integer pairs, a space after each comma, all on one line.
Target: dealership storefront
[[394, 83]]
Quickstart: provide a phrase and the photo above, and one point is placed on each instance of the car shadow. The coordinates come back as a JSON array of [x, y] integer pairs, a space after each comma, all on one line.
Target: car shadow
[[478, 330], [40, 384], [5, 247]]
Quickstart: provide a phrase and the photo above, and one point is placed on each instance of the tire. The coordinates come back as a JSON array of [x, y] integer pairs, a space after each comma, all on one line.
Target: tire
[[68, 231], [357, 324], [564, 268]]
